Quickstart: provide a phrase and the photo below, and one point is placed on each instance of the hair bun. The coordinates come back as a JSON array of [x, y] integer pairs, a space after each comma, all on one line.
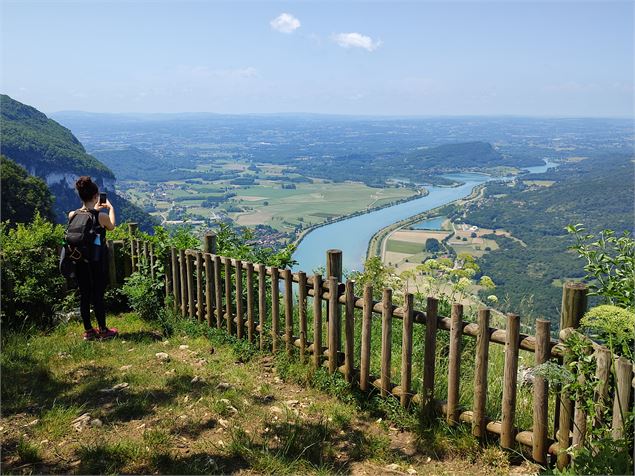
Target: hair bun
[[86, 188]]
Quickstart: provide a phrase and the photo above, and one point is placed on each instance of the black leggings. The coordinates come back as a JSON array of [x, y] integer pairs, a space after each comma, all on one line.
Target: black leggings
[[91, 279]]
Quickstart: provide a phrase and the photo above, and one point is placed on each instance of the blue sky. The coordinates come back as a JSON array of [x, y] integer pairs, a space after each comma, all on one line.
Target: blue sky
[[381, 58]]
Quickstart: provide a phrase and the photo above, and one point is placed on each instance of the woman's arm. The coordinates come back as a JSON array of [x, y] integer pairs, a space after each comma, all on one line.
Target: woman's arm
[[107, 221]]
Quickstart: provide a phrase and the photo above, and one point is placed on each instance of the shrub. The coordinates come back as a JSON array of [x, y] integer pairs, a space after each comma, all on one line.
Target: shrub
[[613, 325], [32, 286], [144, 295]]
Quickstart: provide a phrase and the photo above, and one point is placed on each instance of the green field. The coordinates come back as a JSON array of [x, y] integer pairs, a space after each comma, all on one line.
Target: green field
[[408, 247]]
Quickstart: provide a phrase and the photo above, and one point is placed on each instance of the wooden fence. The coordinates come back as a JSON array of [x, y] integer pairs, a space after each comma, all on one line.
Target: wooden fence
[[245, 298]]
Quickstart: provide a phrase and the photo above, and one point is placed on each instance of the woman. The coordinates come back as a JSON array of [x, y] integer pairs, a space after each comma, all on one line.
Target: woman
[[92, 274]]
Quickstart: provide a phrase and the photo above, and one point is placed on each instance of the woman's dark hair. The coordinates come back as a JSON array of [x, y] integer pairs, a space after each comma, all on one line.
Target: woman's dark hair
[[86, 188]]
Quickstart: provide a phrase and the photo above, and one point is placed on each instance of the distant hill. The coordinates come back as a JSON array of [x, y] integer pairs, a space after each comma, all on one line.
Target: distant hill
[[596, 192], [48, 150], [131, 163]]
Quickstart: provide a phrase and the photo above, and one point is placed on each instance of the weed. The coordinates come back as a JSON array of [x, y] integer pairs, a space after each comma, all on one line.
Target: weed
[[27, 451]]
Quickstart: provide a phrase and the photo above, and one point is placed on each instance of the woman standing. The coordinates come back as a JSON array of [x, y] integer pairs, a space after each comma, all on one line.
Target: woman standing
[[92, 273]]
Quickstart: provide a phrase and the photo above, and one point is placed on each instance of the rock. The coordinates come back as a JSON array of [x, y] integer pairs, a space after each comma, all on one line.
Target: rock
[[393, 467], [85, 416], [170, 372], [63, 355], [199, 362], [162, 356], [223, 423], [125, 367], [275, 409], [116, 388], [223, 386], [166, 342], [197, 379], [411, 470], [184, 347], [96, 422], [291, 403]]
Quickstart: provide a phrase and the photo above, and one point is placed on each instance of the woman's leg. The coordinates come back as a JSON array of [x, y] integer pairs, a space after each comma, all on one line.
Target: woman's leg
[[98, 289], [84, 280]]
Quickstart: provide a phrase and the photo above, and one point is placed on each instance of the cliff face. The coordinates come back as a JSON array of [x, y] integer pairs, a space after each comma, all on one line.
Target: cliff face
[[50, 151]]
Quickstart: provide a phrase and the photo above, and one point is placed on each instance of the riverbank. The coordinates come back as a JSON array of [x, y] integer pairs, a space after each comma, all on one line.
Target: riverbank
[[421, 192], [376, 243]]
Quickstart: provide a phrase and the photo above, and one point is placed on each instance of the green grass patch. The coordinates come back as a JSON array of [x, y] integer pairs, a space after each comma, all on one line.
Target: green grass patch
[[408, 247]]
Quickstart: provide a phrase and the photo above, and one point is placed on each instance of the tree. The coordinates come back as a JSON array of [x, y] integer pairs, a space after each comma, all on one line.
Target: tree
[[432, 245], [23, 195]]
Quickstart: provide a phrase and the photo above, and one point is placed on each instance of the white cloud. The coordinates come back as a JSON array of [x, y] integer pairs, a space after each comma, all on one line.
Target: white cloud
[[356, 40], [285, 23]]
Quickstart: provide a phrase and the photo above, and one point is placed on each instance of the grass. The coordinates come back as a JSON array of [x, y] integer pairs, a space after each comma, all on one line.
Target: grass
[[409, 247], [293, 420]]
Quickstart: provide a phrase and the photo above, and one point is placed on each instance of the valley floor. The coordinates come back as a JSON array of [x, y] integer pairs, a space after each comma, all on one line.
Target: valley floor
[[198, 403]]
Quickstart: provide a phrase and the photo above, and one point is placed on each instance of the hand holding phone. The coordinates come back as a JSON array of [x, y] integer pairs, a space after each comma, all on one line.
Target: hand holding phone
[[102, 198]]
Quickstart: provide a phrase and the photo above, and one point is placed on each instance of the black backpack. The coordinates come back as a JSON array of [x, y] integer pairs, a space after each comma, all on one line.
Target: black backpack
[[78, 241]]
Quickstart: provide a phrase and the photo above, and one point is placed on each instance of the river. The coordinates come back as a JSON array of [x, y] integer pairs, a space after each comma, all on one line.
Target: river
[[353, 234]]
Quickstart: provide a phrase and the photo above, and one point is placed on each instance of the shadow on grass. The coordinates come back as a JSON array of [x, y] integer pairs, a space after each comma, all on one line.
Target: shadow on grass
[[143, 337]]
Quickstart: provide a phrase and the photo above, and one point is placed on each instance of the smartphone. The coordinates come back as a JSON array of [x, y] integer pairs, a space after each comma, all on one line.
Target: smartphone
[[102, 197]]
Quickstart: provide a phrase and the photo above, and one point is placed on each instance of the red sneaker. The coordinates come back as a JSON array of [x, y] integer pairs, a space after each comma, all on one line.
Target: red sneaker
[[90, 334], [108, 333]]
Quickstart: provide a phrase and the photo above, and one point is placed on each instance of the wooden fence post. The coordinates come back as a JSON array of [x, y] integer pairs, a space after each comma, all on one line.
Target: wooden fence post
[[228, 295], [209, 289], [406, 350], [302, 293], [317, 320], [132, 232], [429, 359], [288, 310], [250, 302], [367, 315], [240, 317], [510, 377], [112, 266], [183, 272], [199, 286], [623, 379], [151, 252], [603, 360], [334, 268], [275, 308], [541, 393], [176, 287], [574, 303], [218, 287], [189, 261], [332, 323], [480, 374], [386, 341], [349, 331], [454, 364], [210, 242], [262, 303]]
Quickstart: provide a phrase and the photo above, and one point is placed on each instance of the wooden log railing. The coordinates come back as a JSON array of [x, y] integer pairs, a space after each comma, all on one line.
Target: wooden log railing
[[244, 297]]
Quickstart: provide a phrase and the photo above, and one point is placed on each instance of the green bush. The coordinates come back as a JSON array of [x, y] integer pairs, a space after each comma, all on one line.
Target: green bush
[[145, 295], [32, 287], [612, 325]]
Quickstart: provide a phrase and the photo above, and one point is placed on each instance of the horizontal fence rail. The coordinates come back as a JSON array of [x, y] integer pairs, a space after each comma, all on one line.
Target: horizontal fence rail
[[257, 303]]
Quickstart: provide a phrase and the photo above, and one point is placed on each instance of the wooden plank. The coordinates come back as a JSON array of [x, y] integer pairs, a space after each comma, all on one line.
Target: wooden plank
[[288, 310], [541, 394], [623, 377], [349, 331], [510, 377], [579, 415], [275, 308], [146, 256], [406, 351], [386, 341], [250, 302], [367, 315], [240, 317], [209, 289], [218, 287], [183, 270], [262, 303], [176, 285], [334, 268], [333, 323], [454, 364], [210, 242], [200, 311], [190, 285], [429, 359], [317, 323], [302, 293], [228, 297], [480, 374], [132, 231]]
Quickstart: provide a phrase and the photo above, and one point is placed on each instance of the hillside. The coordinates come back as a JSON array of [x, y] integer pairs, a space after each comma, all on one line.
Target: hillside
[[50, 151], [22, 195], [595, 192]]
